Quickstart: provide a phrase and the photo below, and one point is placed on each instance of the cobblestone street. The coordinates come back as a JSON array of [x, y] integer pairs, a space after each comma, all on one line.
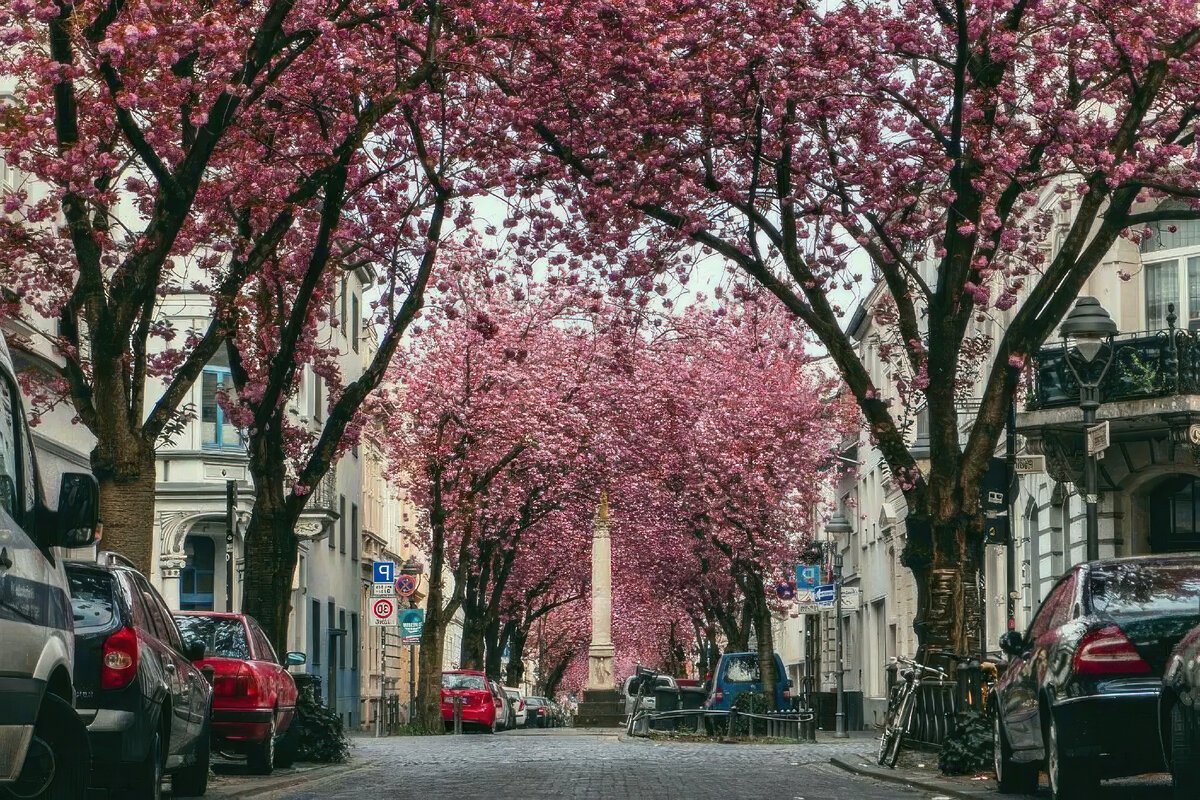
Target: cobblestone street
[[569, 764]]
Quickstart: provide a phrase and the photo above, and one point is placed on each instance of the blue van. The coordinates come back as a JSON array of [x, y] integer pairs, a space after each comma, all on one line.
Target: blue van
[[737, 673]]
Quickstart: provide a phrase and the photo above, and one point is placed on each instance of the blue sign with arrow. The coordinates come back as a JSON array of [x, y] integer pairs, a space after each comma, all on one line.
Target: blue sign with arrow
[[825, 594], [807, 577]]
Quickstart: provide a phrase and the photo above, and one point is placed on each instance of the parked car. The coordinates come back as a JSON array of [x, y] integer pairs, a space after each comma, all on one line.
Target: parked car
[[37, 658], [739, 672], [538, 713], [478, 704], [1179, 713], [518, 705], [1080, 694], [649, 701], [504, 712], [254, 696], [148, 710]]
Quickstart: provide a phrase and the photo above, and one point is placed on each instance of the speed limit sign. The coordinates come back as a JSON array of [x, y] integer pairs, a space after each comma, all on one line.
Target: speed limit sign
[[383, 612]]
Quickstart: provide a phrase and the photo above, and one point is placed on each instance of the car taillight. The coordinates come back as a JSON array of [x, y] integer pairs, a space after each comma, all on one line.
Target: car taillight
[[1108, 651], [236, 684], [541, 710], [718, 696], [119, 659]]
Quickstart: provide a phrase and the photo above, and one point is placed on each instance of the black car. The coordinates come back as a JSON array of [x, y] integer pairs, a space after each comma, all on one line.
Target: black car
[[1179, 716], [1080, 695], [147, 709], [537, 713]]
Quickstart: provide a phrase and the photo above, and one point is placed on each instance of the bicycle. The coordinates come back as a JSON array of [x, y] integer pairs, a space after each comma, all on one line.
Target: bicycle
[[901, 704]]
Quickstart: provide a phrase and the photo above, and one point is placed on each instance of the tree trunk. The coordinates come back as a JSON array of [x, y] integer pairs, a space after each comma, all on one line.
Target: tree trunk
[[471, 655], [125, 471], [554, 678], [515, 671], [429, 681], [271, 553], [495, 649], [764, 631]]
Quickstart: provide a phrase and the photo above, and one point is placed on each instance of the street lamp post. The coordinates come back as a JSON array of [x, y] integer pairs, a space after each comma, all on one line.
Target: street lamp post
[[1088, 330], [840, 714]]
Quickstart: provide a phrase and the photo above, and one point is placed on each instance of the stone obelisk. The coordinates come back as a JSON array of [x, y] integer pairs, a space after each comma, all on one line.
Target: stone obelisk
[[600, 652], [601, 705]]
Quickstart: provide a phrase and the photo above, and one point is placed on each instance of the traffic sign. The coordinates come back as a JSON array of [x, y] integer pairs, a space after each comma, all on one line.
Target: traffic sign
[[383, 612], [1097, 438], [825, 594], [406, 585], [807, 576], [384, 571], [1030, 465], [412, 622], [383, 590]]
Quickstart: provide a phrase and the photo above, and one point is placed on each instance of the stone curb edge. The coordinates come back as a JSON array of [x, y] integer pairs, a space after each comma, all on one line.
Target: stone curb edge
[[318, 774], [904, 780]]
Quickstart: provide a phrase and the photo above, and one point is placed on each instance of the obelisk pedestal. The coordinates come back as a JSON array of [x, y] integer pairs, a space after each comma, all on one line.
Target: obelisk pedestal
[[601, 705]]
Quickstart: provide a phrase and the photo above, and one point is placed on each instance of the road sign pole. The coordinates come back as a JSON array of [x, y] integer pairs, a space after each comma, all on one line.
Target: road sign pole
[[840, 714], [382, 672]]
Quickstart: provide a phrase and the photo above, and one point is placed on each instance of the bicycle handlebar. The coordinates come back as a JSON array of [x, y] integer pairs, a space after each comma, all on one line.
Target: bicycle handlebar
[[922, 667]]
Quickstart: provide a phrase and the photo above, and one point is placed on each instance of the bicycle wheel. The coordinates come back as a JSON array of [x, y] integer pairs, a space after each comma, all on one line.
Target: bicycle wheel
[[889, 745]]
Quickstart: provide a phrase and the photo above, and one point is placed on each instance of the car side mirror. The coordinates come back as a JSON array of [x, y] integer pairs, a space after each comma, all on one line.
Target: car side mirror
[[78, 510], [193, 650], [295, 658], [1013, 643]]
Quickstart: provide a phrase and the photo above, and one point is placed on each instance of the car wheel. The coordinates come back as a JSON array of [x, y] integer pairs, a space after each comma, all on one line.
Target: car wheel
[[192, 781], [147, 777], [49, 771], [1185, 761], [1012, 777], [289, 745], [261, 756], [1070, 778]]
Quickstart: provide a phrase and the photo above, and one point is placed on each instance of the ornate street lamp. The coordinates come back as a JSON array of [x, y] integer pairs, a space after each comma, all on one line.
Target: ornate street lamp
[[1088, 330], [840, 715]]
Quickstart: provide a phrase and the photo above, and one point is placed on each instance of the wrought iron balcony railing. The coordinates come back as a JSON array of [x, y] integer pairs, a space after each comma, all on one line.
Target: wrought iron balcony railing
[[1145, 365]]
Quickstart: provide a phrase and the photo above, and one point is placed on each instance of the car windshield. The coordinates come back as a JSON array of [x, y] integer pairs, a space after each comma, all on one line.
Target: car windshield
[[91, 598], [534, 701], [742, 669], [456, 681], [1135, 589], [223, 637]]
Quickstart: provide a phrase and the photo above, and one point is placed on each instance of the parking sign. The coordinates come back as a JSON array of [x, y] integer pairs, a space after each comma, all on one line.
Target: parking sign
[[384, 572], [807, 577]]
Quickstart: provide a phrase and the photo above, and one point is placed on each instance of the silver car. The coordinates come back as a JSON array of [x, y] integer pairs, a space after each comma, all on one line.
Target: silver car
[[649, 703]]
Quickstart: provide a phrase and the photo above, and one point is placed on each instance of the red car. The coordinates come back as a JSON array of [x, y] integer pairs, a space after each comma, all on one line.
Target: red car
[[254, 696], [480, 706]]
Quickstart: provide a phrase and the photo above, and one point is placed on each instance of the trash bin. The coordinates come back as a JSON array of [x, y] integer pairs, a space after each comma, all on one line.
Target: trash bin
[[666, 698], [692, 697]]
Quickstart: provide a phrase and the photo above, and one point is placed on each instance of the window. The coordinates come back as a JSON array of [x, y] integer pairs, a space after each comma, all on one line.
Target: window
[[355, 321], [318, 401], [216, 430], [342, 639], [1057, 609], [330, 621], [1172, 280], [342, 316], [315, 624], [18, 494], [92, 601], [223, 637], [262, 645], [354, 642], [354, 531], [342, 521], [196, 579]]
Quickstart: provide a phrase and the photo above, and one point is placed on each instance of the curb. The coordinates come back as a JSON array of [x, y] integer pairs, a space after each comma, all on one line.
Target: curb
[[310, 775], [891, 776]]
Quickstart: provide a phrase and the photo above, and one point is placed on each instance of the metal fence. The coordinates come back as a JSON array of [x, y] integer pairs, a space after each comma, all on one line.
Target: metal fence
[[939, 704]]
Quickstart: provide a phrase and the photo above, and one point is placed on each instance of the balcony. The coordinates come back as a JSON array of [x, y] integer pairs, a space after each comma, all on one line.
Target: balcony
[[321, 511], [1145, 365]]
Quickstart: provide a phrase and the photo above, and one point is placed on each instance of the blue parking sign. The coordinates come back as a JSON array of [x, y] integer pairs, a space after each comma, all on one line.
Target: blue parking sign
[[807, 577], [384, 571]]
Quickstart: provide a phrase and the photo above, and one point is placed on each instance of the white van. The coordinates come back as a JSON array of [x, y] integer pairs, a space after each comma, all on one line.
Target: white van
[[43, 745]]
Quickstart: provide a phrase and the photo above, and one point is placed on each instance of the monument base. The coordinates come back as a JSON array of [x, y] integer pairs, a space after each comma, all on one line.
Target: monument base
[[600, 708]]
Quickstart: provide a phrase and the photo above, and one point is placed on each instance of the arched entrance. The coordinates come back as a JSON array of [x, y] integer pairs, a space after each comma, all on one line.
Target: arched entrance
[[1174, 506]]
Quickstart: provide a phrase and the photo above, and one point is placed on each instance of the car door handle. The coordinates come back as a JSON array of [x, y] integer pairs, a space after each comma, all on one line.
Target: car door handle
[[170, 668], [5, 559]]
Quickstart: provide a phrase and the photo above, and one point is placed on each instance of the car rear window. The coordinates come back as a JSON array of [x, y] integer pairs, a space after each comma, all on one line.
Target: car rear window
[[223, 637], [92, 601], [742, 669], [534, 701], [454, 681], [1133, 589]]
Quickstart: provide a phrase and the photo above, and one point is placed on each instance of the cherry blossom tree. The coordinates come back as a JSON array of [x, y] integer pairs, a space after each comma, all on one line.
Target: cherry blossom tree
[[940, 143], [169, 149]]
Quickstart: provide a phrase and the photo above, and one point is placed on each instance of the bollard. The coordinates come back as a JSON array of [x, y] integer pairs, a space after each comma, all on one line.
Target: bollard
[[457, 701], [732, 721]]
